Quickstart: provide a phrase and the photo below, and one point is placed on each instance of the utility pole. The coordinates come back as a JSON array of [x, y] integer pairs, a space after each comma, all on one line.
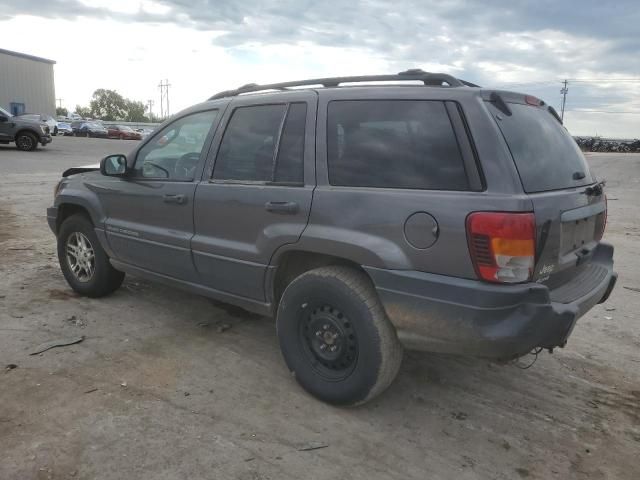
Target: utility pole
[[564, 92], [164, 98], [59, 100], [150, 104]]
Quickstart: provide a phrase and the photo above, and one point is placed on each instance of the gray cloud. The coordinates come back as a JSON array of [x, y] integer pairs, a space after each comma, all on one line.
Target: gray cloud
[[402, 30], [480, 40]]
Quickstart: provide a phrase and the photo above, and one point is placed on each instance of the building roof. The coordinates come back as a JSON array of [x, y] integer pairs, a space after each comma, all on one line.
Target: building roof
[[28, 57]]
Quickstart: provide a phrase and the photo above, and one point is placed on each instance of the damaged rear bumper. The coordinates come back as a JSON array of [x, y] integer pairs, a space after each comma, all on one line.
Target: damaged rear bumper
[[462, 316]]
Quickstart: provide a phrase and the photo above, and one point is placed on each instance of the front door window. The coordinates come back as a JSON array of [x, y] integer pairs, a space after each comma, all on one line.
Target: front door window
[[174, 152]]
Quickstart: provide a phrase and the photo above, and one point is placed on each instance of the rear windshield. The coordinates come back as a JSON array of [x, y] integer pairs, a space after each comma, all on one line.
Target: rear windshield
[[546, 156]]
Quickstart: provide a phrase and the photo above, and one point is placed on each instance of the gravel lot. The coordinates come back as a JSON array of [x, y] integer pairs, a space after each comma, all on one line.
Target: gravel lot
[[159, 389]]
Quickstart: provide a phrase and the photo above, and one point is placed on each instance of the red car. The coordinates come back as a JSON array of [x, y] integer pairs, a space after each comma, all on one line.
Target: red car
[[123, 132]]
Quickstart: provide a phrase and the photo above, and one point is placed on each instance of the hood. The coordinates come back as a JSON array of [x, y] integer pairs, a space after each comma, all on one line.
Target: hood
[[85, 168]]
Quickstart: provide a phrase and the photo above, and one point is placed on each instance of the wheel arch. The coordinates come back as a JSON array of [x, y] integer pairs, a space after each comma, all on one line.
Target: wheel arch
[[65, 210], [27, 130], [293, 263]]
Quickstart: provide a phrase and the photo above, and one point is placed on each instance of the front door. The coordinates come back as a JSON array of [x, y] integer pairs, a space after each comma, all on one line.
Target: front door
[[257, 195], [149, 213]]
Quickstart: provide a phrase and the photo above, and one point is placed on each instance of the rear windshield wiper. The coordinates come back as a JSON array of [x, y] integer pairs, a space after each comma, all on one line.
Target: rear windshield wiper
[[596, 189]]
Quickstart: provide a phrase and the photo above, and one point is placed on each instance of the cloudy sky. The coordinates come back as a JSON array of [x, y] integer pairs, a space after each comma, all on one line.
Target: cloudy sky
[[203, 46]]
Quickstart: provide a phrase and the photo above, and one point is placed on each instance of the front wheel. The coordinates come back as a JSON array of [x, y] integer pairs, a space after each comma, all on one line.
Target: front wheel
[[84, 264], [26, 141], [335, 336]]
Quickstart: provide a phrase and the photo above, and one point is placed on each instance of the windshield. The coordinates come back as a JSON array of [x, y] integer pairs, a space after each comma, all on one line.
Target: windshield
[[94, 125], [545, 154], [124, 128]]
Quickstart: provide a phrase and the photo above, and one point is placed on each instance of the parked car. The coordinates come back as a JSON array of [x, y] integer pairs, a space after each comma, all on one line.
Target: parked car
[[442, 217], [40, 117], [73, 116], [64, 128], [88, 129], [144, 132], [123, 132], [25, 132]]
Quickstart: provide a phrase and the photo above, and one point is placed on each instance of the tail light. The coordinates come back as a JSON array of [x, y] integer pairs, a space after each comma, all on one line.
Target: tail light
[[502, 245]]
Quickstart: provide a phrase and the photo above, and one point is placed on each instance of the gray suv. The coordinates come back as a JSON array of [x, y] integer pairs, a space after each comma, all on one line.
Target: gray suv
[[26, 132], [438, 216]]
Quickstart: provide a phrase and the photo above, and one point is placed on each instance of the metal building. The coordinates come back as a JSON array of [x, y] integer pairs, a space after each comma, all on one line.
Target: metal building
[[26, 83]]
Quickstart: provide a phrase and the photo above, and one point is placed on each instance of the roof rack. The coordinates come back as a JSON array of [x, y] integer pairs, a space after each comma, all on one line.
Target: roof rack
[[415, 74]]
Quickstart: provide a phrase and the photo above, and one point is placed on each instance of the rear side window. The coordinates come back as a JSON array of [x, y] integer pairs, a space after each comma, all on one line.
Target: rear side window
[[252, 151], [393, 144], [546, 156]]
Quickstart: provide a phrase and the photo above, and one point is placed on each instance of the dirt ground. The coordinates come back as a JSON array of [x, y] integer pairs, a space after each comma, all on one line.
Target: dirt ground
[[160, 388]]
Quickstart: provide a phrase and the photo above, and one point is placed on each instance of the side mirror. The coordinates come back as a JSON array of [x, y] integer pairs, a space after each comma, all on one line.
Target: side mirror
[[114, 165], [3, 118]]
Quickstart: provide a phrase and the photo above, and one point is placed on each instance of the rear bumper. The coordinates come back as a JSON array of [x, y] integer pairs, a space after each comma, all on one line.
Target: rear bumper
[[454, 315]]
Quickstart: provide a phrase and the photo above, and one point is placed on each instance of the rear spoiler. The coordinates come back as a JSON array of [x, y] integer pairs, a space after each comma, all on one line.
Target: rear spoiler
[[75, 170]]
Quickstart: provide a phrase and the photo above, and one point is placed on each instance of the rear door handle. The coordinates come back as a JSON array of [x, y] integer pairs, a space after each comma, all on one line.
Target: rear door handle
[[290, 208], [179, 199]]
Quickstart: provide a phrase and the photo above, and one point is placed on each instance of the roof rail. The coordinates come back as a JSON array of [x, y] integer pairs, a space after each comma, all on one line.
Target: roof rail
[[415, 74]]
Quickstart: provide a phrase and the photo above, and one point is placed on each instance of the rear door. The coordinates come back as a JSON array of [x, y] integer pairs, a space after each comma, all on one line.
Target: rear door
[[256, 195], [570, 213]]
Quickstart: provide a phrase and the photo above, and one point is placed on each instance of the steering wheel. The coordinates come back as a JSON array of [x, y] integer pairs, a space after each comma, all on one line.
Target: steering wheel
[[186, 165]]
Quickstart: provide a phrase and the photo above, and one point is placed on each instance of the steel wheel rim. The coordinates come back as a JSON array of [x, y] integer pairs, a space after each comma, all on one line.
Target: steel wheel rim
[[329, 341], [25, 142], [80, 256]]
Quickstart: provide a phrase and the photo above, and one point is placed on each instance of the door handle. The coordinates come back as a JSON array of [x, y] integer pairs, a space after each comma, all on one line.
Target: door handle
[[179, 199], [282, 207]]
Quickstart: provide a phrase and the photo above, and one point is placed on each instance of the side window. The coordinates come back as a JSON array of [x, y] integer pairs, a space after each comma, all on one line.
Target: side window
[[393, 144], [251, 150], [174, 152], [289, 167]]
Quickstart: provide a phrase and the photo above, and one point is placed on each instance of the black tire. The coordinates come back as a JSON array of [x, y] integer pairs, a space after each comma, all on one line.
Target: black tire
[[367, 351], [55, 131], [105, 279], [26, 141]]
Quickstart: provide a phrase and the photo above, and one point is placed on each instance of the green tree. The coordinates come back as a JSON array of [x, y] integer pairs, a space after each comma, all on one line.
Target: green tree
[[108, 105], [135, 111], [84, 112], [61, 111]]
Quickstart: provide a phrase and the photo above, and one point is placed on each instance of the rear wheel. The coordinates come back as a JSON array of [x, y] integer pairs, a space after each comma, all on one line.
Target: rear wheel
[[85, 265], [26, 141], [335, 336]]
